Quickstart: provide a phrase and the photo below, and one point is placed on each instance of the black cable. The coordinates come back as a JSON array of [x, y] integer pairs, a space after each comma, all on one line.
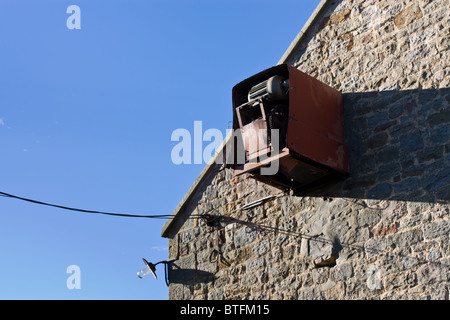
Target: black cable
[[161, 216], [210, 219]]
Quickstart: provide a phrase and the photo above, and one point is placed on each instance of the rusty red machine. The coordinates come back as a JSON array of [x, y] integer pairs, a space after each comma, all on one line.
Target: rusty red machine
[[307, 114]]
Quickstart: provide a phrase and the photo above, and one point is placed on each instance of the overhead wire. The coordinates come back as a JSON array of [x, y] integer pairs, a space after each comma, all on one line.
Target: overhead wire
[[157, 216], [210, 219]]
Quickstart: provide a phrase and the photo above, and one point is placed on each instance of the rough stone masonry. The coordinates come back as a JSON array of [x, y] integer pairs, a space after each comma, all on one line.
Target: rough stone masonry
[[382, 233]]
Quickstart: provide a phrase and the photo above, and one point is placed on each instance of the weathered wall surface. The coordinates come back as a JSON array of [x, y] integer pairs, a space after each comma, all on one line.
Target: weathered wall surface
[[383, 233]]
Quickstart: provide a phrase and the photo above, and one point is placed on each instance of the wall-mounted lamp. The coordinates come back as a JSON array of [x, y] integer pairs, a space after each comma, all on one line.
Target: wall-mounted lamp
[[150, 268]]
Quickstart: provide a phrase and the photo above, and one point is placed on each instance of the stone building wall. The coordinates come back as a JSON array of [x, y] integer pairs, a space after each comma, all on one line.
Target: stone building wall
[[383, 233]]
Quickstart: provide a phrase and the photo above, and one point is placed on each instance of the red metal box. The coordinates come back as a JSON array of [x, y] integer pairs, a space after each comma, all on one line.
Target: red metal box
[[308, 116]]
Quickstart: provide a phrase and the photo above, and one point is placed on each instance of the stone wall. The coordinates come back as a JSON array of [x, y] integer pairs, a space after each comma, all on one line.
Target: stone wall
[[383, 233]]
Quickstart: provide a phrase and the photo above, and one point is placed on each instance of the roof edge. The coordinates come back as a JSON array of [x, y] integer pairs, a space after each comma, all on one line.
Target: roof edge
[[296, 42], [194, 187]]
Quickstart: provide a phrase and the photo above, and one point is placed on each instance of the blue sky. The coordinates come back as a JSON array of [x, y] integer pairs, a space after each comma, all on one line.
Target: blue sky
[[86, 118]]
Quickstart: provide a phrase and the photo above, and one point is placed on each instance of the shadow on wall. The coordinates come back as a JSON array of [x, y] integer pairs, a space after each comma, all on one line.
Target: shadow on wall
[[399, 149], [182, 275], [398, 145]]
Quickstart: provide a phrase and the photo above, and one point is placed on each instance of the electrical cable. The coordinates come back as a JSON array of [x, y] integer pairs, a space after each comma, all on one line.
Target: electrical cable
[[161, 216], [210, 220]]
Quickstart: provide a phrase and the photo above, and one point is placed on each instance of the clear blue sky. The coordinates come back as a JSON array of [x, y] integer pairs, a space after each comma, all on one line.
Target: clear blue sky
[[86, 118]]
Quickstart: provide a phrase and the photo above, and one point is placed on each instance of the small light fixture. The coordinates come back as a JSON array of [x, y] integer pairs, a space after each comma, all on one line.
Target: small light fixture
[[150, 268]]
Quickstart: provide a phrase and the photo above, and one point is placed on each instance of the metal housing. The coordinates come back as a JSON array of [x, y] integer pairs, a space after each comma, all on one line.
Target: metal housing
[[310, 121]]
